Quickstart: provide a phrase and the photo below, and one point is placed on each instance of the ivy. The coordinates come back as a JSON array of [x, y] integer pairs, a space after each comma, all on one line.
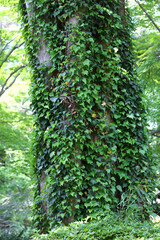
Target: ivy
[[90, 139]]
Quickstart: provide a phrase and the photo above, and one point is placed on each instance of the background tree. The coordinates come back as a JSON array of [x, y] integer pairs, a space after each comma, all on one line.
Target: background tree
[[147, 47], [90, 142], [15, 127], [8, 82], [10, 51]]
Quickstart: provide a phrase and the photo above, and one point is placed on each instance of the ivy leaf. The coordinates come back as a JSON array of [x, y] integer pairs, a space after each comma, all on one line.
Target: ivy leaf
[[86, 62], [52, 154], [119, 188], [51, 70], [130, 115], [99, 164], [53, 99], [85, 72], [142, 151], [115, 50]]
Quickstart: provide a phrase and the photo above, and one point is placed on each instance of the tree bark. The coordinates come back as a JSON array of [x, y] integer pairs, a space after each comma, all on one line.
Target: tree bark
[[123, 12], [43, 191], [42, 54], [43, 58], [73, 21]]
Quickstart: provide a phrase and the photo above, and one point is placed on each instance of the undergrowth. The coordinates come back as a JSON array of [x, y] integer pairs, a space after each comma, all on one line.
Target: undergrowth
[[109, 227], [16, 234]]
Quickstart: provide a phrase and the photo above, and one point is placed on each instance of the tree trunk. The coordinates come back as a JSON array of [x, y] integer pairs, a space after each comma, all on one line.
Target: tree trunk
[[87, 107], [123, 12]]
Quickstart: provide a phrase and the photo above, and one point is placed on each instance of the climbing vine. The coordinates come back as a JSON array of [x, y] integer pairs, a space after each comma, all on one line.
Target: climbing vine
[[90, 142]]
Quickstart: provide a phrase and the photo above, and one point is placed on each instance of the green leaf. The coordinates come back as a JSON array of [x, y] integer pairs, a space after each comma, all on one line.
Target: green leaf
[[130, 115], [86, 62], [142, 151], [119, 188], [53, 99], [52, 154]]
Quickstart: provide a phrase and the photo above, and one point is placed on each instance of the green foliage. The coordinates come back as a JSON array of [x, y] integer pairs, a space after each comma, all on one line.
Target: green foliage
[[20, 234], [15, 125], [8, 10], [90, 138], [148, 70], [140, 19], [105, 228], [147, 52], [15, 181]]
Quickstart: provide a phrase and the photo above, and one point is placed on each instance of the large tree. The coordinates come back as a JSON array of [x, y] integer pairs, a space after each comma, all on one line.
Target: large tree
[[90, 142]]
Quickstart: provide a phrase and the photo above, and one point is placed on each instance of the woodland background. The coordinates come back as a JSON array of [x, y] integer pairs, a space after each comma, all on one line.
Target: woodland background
[[16, 179]]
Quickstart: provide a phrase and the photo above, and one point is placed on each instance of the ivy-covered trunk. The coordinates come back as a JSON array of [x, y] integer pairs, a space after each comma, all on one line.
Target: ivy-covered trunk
[[90, 145]]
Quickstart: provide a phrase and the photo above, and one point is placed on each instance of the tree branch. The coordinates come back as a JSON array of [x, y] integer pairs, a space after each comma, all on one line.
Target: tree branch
[[5, 46], [2, 181], [16, 70], [11, 121], [155, 132], [153, 22], [4, 87], [10, 52]]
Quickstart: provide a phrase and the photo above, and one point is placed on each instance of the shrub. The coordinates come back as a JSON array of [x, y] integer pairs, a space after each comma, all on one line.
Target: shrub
[[109, 227], [16, 234]]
